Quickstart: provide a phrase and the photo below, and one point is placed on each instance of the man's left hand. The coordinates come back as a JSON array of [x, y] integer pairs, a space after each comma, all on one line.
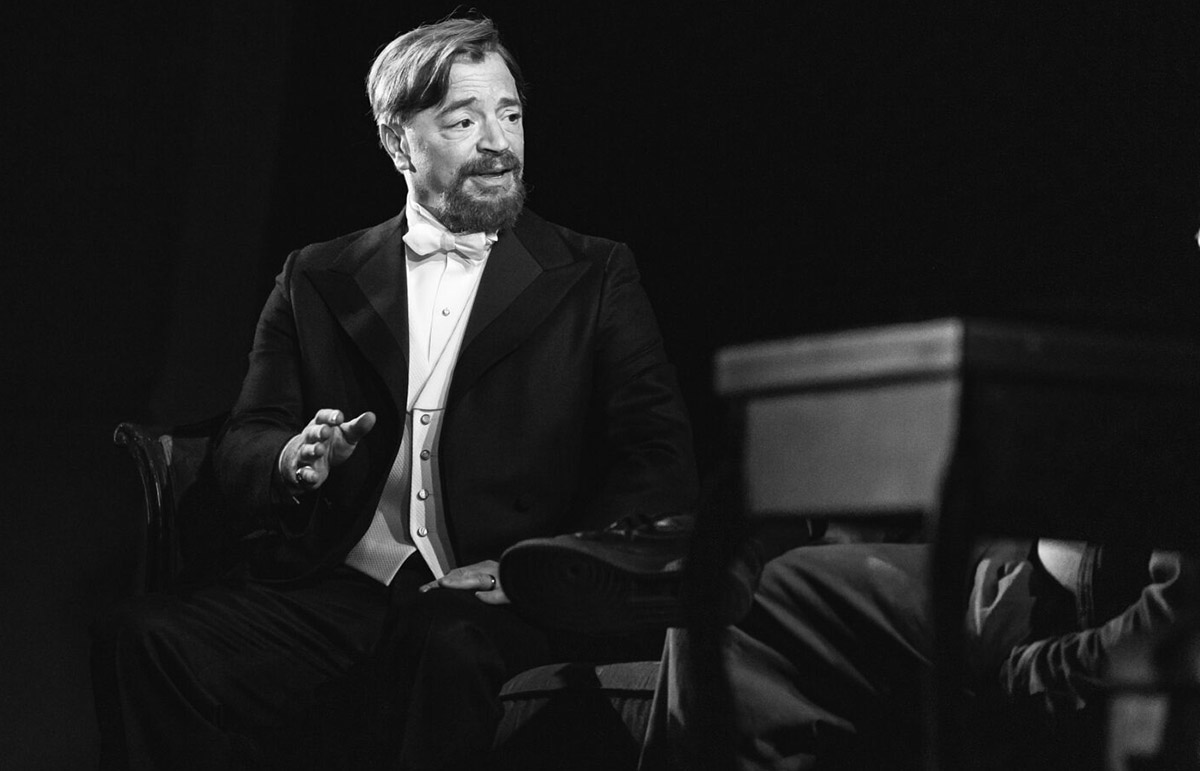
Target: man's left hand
[[482, 578]]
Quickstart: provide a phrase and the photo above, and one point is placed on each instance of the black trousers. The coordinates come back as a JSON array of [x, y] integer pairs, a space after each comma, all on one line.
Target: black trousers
[[338, 672]]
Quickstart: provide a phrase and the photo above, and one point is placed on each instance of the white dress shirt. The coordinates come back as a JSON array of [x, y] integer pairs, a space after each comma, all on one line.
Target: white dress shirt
[[442, 282]]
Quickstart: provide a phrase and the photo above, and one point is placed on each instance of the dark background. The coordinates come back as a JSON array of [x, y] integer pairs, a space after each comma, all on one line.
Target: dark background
[[778, 169]]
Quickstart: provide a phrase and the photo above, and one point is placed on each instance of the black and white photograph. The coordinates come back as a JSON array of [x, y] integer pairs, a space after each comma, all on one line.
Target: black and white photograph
[[601, 386]]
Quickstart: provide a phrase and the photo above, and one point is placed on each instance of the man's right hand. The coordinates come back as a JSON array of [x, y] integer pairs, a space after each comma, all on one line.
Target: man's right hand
[[328, 440]]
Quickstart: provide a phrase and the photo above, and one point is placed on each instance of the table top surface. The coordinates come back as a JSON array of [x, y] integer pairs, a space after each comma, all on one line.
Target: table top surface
[[954, 347]]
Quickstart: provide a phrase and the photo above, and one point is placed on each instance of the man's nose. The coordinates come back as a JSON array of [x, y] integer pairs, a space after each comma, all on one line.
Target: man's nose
[[493, 139]]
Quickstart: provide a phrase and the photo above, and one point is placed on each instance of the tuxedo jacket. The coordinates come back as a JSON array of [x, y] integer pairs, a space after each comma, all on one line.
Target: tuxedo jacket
[[563, 412]]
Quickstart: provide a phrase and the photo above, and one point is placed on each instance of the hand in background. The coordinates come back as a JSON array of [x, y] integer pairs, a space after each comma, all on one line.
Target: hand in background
[[327, 441]]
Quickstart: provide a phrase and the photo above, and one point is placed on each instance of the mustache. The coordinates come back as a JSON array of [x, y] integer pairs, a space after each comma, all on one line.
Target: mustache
[[506, 160]]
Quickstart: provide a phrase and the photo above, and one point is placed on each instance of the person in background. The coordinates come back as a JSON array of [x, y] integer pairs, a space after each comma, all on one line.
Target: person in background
[[831, 665]]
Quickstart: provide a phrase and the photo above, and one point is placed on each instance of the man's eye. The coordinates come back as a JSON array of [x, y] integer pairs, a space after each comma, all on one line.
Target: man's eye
[[464, 123], [514, 117]]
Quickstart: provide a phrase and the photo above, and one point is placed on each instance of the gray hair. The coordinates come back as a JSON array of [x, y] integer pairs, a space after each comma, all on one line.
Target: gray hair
[[412, 73]]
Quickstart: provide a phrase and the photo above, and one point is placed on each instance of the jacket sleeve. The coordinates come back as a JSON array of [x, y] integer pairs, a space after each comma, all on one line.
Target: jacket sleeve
[[268, 412], [1066, 672], [650, 462]]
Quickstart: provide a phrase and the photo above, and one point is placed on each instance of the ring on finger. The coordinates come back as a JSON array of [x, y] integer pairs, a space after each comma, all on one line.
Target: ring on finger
[[493, 586], [299, 475]]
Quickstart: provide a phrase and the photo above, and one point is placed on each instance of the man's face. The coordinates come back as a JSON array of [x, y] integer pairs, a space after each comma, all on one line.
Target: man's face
[[463, 158]]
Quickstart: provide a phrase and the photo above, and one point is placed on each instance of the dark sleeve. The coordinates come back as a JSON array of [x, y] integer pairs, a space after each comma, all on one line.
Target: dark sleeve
[[651, 463], [268, 412], [1066, 671]]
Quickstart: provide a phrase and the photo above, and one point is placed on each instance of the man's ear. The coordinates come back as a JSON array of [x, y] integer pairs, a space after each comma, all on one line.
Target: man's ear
[[395, 144]]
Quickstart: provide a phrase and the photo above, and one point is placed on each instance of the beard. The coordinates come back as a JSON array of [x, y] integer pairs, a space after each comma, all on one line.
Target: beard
[[485, 211]]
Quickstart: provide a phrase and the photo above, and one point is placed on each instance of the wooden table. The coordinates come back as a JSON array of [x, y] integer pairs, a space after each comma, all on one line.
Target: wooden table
[[972, 428]]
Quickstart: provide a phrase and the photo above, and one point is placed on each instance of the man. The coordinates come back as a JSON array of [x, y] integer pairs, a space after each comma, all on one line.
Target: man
[[828, 667], [832, 654], [421, 395]]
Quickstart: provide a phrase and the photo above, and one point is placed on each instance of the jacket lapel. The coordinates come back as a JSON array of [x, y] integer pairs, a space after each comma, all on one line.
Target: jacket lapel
[[528, 273], [366, 290]]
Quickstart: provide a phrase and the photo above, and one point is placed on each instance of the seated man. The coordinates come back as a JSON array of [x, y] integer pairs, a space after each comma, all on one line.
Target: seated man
[[421, 395], [828, 667], [829, 664]]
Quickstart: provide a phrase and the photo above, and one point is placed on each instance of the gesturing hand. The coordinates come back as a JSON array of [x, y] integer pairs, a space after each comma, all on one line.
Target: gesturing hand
[[482, 577], [328, 440]]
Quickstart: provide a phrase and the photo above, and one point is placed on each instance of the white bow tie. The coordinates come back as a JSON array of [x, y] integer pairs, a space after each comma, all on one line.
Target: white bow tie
[[425, 239]]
